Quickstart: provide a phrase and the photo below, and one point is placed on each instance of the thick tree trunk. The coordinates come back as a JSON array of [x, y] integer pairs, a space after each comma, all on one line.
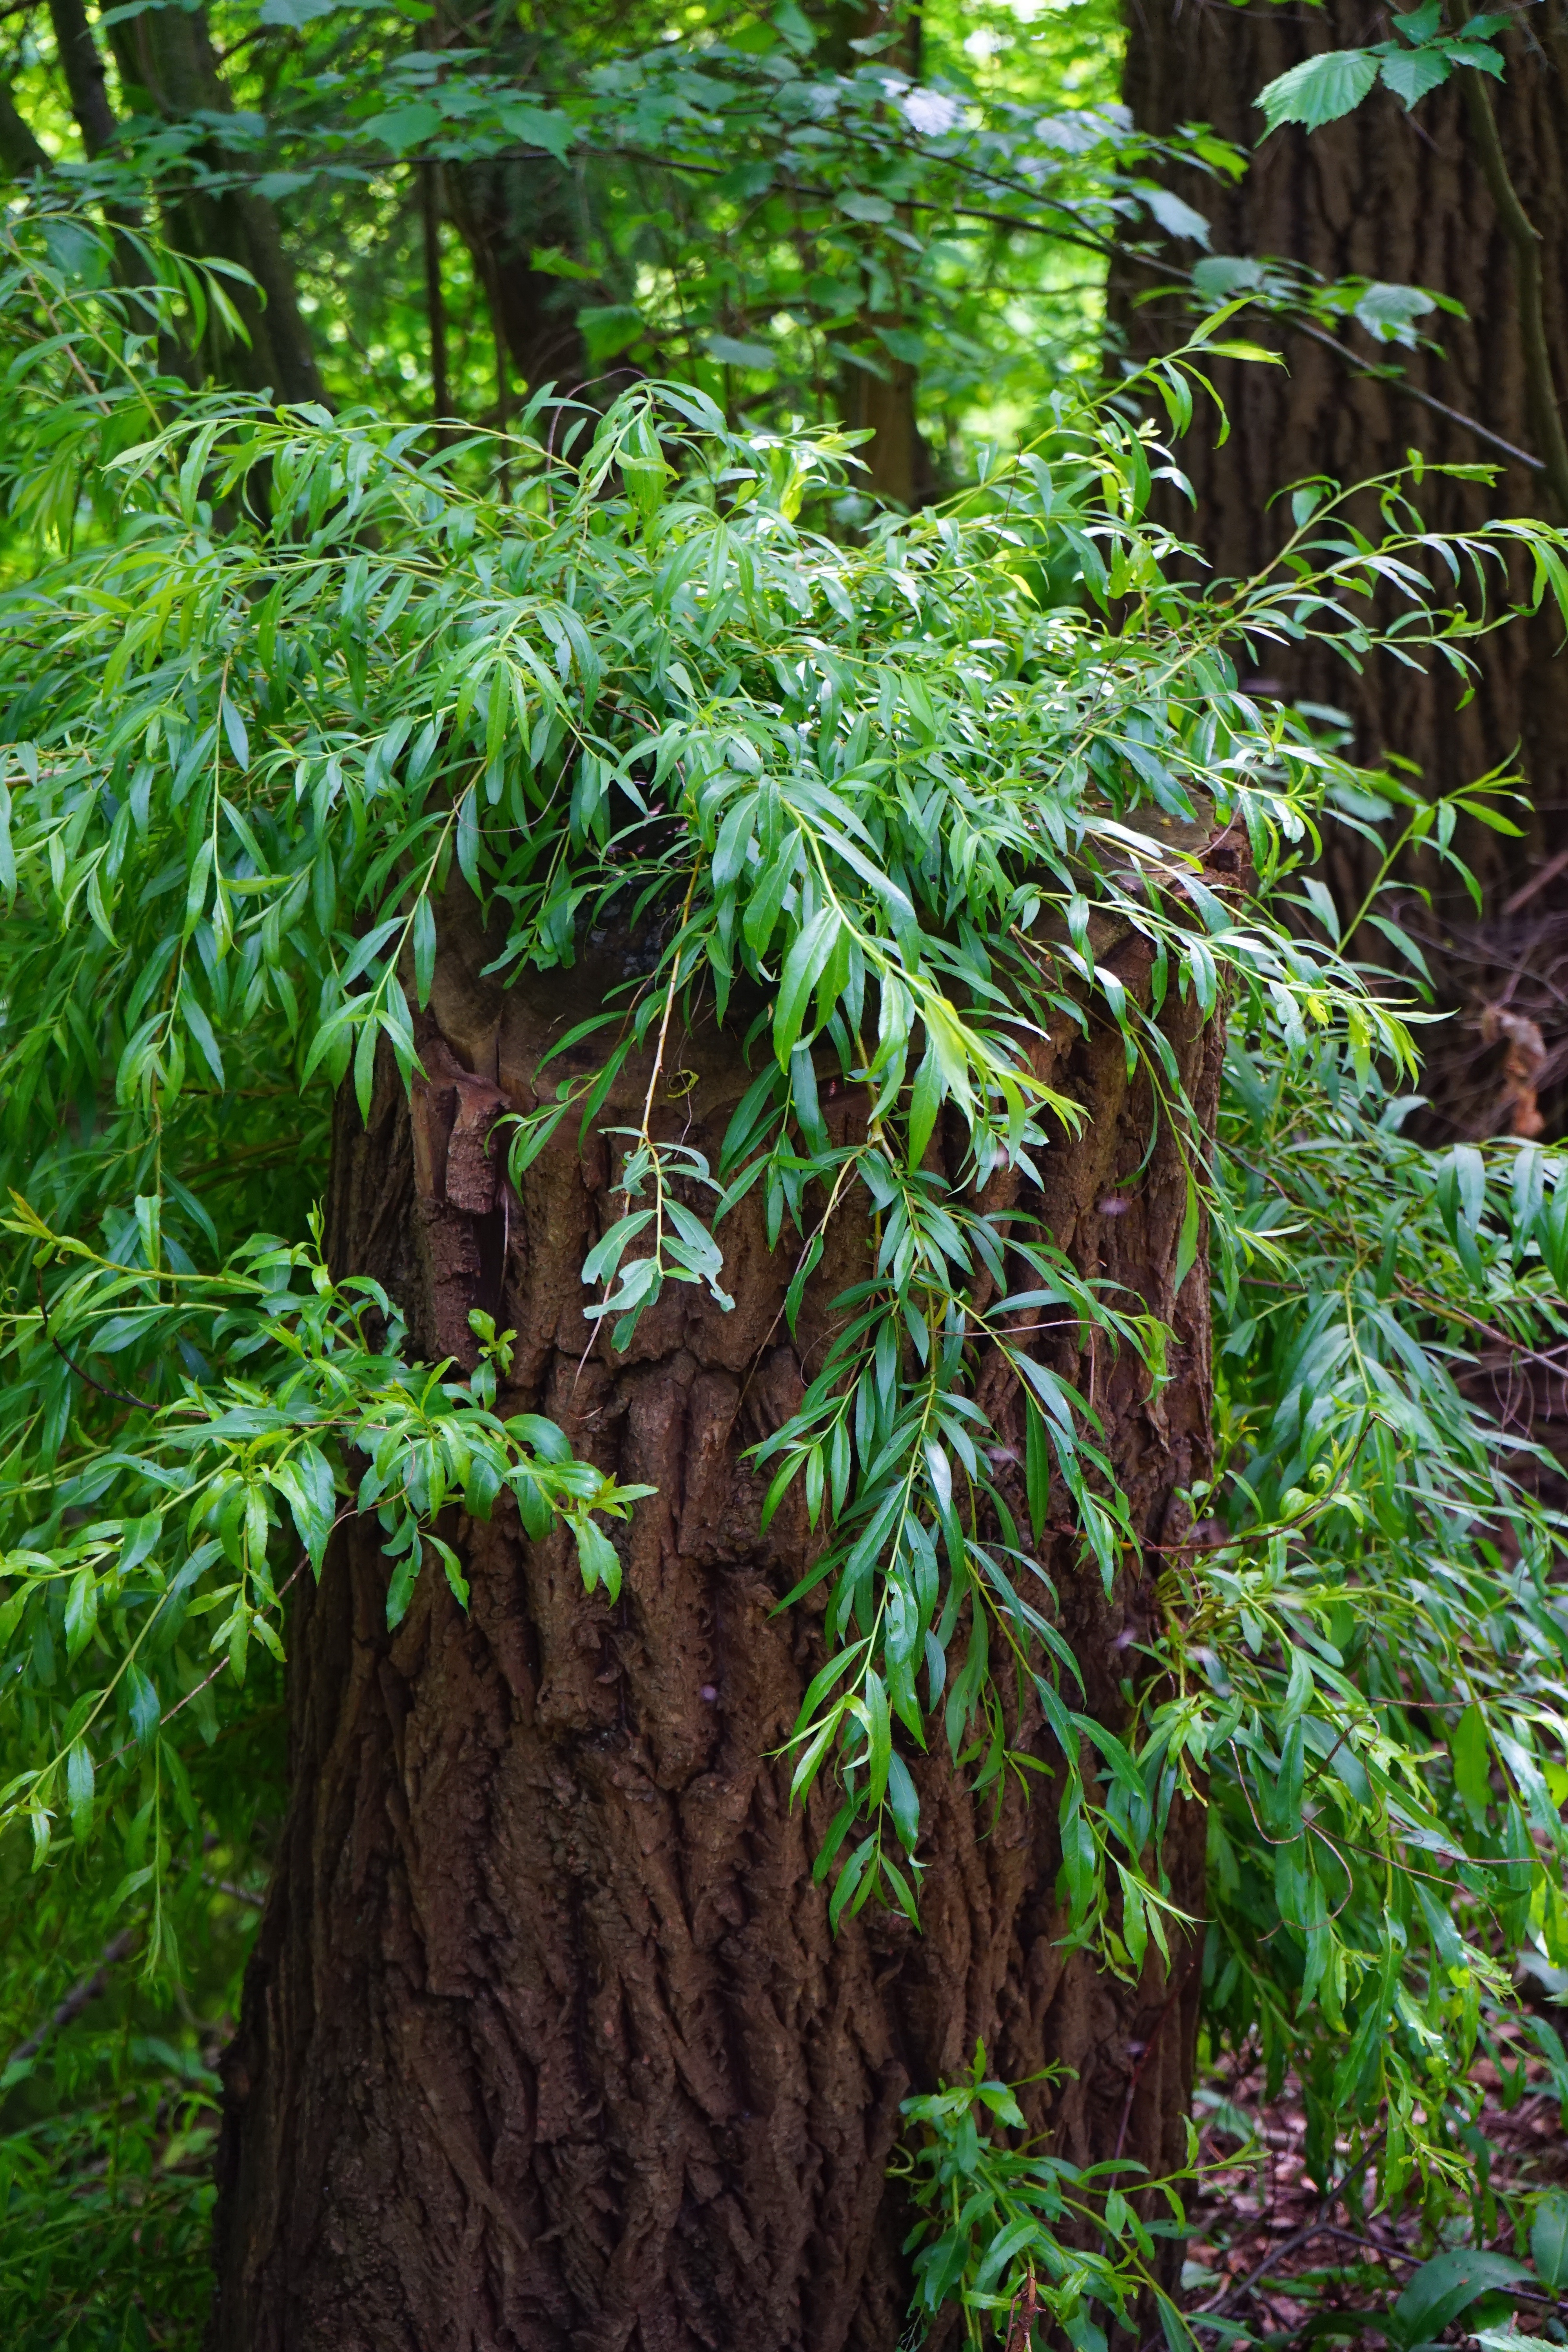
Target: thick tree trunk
[[1399, 198], [546, 2044], [897, 457], [85, 77]]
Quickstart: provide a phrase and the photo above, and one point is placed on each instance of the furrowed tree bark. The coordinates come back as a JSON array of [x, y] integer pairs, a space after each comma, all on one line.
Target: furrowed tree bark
[[546, 2045], [1402, 199]]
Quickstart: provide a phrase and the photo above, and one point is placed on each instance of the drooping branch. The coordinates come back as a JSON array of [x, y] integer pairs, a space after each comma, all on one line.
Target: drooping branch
[[82, 1995]]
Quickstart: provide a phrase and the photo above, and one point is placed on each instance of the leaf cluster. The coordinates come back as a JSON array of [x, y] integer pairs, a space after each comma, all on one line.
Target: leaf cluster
[[878, 808]]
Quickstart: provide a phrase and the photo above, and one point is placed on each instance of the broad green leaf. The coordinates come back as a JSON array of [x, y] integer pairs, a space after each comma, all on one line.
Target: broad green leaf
[[1549, 2239], [1320, 89], [1446, 2286], [1411, 73]]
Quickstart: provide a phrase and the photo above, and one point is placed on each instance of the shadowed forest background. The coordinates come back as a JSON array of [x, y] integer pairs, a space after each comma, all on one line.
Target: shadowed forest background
[[561, 568]]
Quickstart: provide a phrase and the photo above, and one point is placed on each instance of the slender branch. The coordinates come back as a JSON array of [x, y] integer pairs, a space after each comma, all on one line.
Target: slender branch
[[1326, 2203], [235, 1892], [1538, 881], [669, 1009], [221, 1668], [81, 1995], [1081, 235], [1504, 1339], [1397, 383], [120, 1396]]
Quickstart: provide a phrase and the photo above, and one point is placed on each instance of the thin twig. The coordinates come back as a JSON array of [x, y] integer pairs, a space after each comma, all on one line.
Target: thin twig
[[138, 1404], [668, 1008], [1326, 2203], [81, 1995], [237, 1893], [222, 1667], [1538, 881], [1398, 383]]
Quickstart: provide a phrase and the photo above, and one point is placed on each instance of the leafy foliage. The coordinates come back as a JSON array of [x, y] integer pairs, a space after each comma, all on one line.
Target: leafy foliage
[[1321, 88], [996, 2226], [301, 728], [125, 2261], [276, 682], [1390, 1599]]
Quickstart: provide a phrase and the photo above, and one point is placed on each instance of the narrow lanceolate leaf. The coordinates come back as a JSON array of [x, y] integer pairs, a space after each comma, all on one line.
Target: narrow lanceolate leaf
[[814, 918], [1187, 1241], [424, 949], [79, 1784], [802, 969]]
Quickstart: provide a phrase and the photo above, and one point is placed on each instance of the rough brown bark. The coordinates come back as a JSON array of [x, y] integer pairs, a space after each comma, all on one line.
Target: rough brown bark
[[546, 2045], [1400, 198]]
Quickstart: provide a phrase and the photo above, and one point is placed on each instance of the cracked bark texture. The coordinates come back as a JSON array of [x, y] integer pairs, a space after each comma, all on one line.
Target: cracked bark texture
[[1400, 198], [546, 2045]]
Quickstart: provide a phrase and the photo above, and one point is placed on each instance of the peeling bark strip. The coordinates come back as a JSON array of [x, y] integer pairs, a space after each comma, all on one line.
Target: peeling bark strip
[[546, 2046]]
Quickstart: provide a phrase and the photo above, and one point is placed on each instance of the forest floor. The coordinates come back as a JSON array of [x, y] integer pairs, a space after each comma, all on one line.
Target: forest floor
[[1277, 2258]]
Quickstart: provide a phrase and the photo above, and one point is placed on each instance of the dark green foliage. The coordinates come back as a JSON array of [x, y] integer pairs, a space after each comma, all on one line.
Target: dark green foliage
[[274, 683]]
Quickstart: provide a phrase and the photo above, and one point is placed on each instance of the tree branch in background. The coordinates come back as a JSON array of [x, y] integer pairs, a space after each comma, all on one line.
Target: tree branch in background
[[1397, 381], [81, 1995]]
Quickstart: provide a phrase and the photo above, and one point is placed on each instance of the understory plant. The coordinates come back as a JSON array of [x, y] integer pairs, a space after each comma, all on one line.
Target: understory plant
[[277, 682]]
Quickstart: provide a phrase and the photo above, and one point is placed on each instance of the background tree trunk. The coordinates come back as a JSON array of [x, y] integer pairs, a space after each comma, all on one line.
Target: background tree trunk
[[167, 66], [880, 396], [1399, 198], [503, 211], [546, 2043]]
